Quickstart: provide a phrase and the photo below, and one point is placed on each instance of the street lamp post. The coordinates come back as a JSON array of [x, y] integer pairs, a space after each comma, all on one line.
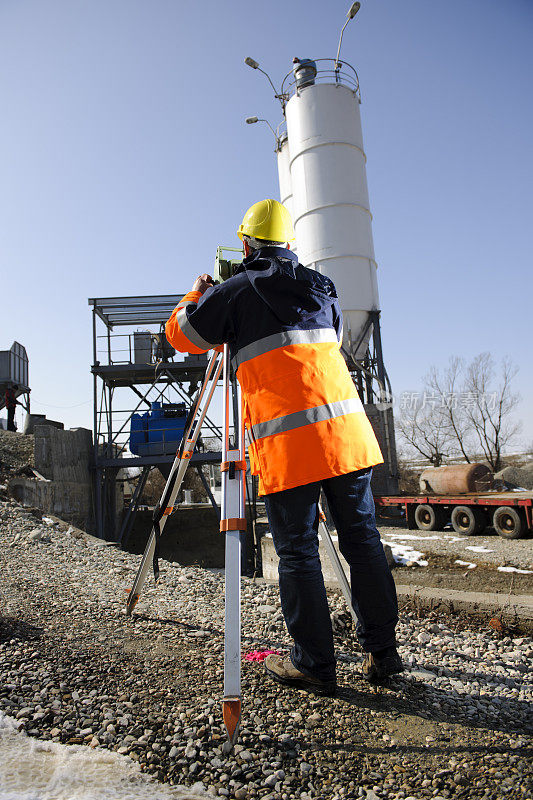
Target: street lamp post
[[253, 120], [354, 8], [251, 62]]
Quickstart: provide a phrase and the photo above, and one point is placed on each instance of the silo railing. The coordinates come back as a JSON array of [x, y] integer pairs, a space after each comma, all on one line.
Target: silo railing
[[328, 71]]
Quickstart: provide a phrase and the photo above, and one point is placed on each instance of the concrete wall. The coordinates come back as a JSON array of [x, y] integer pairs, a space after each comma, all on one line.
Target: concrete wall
[[62, 458], [68, 501], [34, 420], [191, 536], [63, 455], [271, 561]]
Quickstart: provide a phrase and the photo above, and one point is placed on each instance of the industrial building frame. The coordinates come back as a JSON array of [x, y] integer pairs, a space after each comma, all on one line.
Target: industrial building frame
[[14, 366], [115, 368]]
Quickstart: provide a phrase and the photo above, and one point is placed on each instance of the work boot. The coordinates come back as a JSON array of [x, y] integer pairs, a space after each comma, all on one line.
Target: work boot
[[382, 664], [283, 670]]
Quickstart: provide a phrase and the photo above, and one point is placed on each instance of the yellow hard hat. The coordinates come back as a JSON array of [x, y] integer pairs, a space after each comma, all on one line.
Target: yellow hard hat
[[267, 219]]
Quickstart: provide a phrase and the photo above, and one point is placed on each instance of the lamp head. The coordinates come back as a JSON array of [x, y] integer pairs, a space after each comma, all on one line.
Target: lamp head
[[252, 63], [353, 10], [251, 120]]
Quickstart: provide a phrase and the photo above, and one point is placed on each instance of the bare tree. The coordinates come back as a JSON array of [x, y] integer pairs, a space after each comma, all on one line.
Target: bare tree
[[424, 430], [490, 408], [446, 386], [463, 409]]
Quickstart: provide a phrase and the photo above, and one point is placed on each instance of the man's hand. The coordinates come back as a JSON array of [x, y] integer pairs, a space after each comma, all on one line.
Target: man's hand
[[202, 283]]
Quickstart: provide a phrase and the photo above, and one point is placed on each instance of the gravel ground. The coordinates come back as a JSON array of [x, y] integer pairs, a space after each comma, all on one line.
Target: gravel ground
[[74, 669], [16, 452]]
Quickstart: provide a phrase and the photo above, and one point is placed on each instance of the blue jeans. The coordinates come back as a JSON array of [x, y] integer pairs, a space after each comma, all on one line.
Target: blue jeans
[[293, 518]]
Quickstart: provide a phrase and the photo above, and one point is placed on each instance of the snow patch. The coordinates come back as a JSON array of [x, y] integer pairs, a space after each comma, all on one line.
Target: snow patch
[[480, 549], [515, 569], [468, 564], [404, 554]]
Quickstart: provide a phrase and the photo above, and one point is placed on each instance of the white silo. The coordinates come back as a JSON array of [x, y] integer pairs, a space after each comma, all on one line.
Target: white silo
[[284, 175], [329, 202]]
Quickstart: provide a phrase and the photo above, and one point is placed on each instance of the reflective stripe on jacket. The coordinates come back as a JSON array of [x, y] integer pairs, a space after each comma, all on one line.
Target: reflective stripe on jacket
[[303, 415]]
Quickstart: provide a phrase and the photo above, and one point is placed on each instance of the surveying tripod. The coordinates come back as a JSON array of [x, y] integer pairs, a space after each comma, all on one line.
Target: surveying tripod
[[232, 524]]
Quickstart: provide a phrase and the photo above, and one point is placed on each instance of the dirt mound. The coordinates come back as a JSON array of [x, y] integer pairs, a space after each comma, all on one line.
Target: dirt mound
[[517, 477], [16, 453]]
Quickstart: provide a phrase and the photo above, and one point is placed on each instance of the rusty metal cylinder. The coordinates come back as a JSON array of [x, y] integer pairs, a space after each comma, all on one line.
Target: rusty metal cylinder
[[456, 479]]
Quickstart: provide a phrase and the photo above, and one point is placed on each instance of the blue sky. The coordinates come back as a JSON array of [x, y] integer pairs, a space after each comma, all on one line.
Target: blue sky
[[125, 160]]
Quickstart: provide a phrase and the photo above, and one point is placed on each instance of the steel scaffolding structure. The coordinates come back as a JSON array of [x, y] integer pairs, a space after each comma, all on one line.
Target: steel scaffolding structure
[[131, 370], [374, 389], [14, 372]]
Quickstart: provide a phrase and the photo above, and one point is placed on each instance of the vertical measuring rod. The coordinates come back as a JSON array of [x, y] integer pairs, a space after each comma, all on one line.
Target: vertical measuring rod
[[232, 524]]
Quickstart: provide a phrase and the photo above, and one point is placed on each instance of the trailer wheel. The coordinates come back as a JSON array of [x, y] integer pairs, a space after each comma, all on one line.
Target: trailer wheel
[[429, 518], [468, 520], [508, 523]]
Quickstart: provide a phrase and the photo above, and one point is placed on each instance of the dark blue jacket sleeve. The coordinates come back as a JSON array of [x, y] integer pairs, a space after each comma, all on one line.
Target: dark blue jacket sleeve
[[212, 317], [201, 322]]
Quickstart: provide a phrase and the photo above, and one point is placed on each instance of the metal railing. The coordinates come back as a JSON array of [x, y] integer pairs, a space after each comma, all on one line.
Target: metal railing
[[120, 348], [328, 71]]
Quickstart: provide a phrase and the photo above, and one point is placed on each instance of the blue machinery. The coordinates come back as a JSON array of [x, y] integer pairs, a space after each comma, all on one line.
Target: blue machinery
[[158, 431]]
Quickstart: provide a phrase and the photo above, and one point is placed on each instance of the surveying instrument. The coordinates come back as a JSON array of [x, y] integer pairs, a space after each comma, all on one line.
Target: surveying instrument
[[232, 512]]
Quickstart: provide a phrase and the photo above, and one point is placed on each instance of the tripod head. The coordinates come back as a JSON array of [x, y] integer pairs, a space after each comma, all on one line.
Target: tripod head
[[224, 266]]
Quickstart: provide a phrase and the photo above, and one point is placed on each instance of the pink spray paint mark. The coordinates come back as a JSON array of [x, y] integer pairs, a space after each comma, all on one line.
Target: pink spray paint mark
[[260, 655]]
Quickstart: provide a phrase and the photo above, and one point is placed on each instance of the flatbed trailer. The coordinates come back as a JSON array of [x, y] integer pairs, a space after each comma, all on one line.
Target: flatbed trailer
[[510, 513]]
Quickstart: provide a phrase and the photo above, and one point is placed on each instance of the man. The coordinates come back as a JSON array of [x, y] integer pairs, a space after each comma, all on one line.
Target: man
[[308, 430], [11, 404]]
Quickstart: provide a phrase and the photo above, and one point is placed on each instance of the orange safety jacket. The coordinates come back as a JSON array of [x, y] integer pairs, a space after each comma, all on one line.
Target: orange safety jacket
[[283, 323]]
